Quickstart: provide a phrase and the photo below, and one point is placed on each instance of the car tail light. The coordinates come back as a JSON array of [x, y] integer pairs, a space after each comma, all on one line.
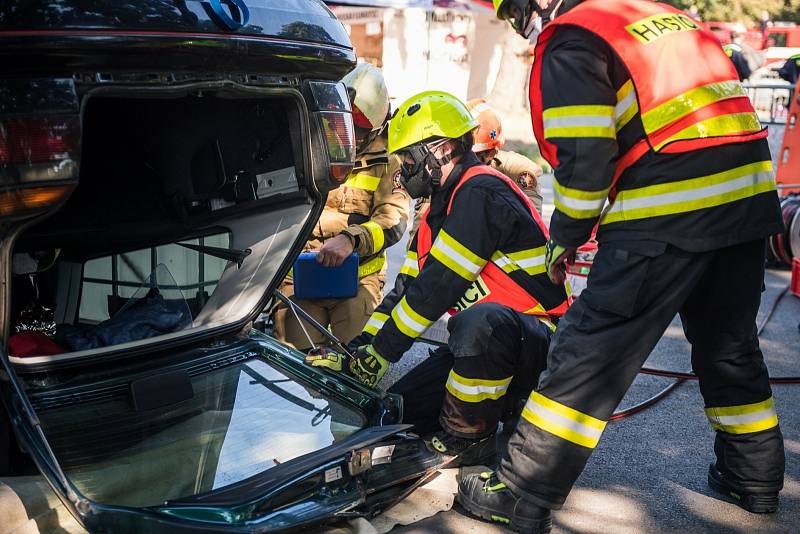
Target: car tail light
[[333, 136], [38, 162]]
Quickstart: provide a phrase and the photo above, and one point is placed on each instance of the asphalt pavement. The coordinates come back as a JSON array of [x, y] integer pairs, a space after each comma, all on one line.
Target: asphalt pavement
[[648, 474]]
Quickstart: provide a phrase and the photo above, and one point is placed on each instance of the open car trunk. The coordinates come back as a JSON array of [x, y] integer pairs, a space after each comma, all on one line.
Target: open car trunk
[[150, 405], [187, 207]]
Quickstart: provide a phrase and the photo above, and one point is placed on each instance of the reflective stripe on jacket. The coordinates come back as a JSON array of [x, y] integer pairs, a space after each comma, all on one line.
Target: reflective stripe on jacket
[[491, 280]]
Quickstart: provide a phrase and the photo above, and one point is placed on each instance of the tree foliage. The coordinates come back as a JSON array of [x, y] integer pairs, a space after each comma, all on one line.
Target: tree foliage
[[747, 11]]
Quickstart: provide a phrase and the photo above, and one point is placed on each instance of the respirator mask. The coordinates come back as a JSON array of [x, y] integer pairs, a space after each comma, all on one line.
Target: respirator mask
[[421, 170]]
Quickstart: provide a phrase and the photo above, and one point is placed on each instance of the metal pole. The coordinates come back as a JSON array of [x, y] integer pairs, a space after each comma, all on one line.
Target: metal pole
[[313, 322]]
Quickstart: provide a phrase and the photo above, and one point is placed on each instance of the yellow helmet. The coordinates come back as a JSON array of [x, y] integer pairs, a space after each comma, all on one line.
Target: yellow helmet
[[429, 115]]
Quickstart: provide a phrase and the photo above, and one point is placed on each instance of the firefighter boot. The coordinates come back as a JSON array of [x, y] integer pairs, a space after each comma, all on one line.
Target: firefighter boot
[[464, 451], [757, 503], [485, 496]]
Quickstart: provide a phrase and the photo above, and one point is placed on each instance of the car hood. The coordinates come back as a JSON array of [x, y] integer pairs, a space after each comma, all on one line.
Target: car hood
[[299, 20]]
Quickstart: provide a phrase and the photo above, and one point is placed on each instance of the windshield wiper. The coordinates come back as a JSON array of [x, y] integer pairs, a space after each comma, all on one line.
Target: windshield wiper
[[229, 254]]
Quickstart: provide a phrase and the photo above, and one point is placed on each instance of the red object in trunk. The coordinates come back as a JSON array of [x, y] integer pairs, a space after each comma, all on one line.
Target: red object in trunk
[[32, 344]]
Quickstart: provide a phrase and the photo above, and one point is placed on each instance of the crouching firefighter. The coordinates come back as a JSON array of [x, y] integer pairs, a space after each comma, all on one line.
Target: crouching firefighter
[[479, 254], [659, 144], [367, 214]]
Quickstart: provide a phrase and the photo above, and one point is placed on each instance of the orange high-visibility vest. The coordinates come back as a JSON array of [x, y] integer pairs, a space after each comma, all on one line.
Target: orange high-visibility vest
[[684, 104], [493, 284]]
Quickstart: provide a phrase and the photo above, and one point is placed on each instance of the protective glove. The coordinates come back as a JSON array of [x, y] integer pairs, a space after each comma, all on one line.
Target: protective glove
[[327, 358], [556, 259], [364, 338], [368, 366]]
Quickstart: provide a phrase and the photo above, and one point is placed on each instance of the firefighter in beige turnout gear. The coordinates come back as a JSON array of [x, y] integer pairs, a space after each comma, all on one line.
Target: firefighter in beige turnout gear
[[366, 215], [488, 142]]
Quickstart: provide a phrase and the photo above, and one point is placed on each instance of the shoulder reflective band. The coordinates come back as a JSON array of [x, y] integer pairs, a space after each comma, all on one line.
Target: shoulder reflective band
[[376, 232], [579, 121], [563, 421], [375, 323], [720, 126], [410, 265], [690, 195], [364, 181], [531, 261], [657, 26], [627, 106], [476, 389], [745, 418], [456, 256], [578, 204], [372, 266], [690, 101], [408, 321]]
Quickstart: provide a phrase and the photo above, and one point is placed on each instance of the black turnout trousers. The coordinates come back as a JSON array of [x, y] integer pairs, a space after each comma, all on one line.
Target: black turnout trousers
[[634, 291], [492, 362]]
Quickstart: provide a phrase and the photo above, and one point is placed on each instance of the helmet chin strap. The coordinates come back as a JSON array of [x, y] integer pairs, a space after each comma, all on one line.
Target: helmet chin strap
[[436, 164]]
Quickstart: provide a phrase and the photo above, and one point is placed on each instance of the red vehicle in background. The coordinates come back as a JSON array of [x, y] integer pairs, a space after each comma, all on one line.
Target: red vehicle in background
[[781, 42]]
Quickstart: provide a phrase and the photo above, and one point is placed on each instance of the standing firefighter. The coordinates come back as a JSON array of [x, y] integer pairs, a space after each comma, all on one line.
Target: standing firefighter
[[488, 140], [479, 252], [367, 214], [636, 106]]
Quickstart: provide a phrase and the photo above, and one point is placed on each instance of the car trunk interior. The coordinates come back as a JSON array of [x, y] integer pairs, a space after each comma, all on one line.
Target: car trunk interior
[[187, 205]]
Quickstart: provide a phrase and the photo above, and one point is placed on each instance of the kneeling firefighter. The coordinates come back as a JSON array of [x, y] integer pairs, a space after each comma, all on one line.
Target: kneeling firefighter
[[658, 144], [488, 144], [367, 214], [479, 253]]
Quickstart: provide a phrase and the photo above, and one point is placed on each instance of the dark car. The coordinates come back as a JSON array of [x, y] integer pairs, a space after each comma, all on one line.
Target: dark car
[[161, 164]]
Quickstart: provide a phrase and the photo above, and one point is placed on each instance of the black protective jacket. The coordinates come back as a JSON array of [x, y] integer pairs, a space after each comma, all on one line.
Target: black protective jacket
[[487, 217]]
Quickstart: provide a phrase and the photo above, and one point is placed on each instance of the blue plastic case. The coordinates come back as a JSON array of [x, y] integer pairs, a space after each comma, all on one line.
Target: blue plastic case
[[314, 281]]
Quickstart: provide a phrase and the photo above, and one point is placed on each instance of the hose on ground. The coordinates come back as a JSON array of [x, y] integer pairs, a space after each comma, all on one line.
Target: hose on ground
[[680, 377]]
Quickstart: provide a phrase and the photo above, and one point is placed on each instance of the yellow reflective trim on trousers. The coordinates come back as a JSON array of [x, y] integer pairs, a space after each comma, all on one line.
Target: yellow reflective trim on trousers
[[457, 257], [409, 321], [627, 105], [731, 124], [745, 418], [376, 232], [578, 204], [563, 421], [367, 182], [579, 121], [410, 265], [476, 389], [375, 323], [690, 101], [372, 266], [693, 194]]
